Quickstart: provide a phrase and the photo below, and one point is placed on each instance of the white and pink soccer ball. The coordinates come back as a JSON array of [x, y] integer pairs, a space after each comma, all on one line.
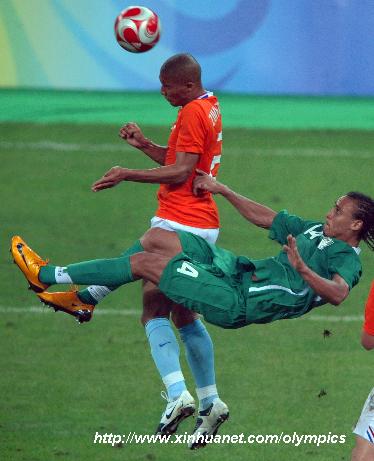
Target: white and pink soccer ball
[[137, 29]]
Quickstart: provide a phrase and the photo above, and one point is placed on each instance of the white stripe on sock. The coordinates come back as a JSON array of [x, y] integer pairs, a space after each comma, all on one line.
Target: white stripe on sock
[[61, 275], [173, 378], [98, 292], [207, 391]]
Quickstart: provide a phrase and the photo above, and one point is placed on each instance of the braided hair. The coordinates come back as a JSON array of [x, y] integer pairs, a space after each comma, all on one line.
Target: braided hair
[[365, 213]]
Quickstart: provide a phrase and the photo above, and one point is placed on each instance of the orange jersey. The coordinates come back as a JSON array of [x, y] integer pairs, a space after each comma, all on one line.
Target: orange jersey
[[369, 312], [198, 130]]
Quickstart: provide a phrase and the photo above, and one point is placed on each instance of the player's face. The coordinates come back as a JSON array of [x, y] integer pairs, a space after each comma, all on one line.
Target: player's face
[[340, 221], [176, 93]]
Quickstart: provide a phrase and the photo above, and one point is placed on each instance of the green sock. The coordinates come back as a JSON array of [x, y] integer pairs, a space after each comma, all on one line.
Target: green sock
[[47, 274], [136, 248], [85, 295], [107, 272]]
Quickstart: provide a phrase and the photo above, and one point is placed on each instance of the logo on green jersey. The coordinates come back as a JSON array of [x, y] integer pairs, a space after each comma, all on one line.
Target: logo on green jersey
[[325, 242], [313, 233]]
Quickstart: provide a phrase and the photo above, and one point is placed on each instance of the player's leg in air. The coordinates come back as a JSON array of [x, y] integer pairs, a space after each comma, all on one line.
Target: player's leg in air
[[212, 411]]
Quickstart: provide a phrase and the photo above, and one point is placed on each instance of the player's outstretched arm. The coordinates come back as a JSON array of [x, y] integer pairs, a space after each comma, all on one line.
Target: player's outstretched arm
[[134, 136], [177, 173], [333, 291], [257, 214]]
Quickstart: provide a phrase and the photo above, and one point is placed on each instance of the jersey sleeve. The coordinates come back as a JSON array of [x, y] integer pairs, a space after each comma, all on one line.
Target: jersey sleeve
[[285, 224], [342, 260], [192, 133], [369, 312]]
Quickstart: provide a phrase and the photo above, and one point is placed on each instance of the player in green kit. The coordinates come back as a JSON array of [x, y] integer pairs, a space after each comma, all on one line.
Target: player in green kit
[[319, 263]]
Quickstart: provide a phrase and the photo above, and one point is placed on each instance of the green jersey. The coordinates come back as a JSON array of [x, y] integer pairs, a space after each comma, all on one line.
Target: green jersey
[[233, 291], [279, 291]]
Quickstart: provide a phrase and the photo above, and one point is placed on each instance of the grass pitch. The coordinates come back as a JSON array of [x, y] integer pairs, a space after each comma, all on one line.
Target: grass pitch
[[61, 383]]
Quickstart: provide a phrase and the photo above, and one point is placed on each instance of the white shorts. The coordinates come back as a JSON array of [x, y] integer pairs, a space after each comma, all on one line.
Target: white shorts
[[365, 425], [210, 235]]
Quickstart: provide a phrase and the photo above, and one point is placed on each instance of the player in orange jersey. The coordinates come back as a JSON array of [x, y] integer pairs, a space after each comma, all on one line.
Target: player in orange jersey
[[367, 337], [195, 142], [364, 430]]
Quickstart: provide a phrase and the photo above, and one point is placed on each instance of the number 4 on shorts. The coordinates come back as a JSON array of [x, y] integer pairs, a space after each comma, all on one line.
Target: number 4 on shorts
[[187, 269]]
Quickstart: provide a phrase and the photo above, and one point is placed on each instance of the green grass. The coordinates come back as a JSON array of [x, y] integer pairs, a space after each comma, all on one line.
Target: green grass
[[60, 382], [238, 110]]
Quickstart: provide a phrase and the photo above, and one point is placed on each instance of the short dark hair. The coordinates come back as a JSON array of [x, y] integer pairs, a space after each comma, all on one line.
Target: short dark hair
[[182, 67], [365, 213]]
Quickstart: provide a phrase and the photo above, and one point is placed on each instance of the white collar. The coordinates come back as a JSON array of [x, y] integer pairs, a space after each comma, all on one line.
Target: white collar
[[207, 94]]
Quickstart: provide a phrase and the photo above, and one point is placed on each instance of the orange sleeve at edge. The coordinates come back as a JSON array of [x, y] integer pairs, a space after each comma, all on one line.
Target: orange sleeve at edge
[[369, 312]]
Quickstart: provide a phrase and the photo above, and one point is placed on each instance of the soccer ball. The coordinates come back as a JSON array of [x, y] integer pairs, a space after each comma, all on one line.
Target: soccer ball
[[137, 29]]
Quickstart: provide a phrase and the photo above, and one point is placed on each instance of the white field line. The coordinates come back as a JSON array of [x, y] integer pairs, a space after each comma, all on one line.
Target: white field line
[[136, 312], [43, 310], [64, 146], [334, 318], [52, 146]]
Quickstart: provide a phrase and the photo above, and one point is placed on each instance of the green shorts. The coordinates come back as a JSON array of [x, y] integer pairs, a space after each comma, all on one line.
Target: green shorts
[[205, 279]]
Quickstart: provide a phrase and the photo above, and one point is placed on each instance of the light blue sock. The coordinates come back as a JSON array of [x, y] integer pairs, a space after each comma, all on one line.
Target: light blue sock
[[200, 357], [165, 353]]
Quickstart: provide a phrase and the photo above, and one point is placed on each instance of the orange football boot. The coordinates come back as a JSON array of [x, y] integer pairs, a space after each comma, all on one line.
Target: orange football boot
[[68, 301], [29, 263]]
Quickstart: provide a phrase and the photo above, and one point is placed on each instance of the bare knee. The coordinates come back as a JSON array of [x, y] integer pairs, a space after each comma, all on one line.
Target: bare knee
[[148, 266], [153, 313], [157, 240], [155, 303], [182, 316], [363, 451]]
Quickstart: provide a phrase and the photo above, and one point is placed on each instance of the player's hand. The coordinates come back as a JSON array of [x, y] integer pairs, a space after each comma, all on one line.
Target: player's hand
[[111, 178], [205, 183], [133, 135], [293, 254]]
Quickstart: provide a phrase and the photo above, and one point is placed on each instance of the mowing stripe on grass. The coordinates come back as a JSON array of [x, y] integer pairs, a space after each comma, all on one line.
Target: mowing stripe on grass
[[52, 146], [43, 310], [64, 146], [335, 318], [129, 312]]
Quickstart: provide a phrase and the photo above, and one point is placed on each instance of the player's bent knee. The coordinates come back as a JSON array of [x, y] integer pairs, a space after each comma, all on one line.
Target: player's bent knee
[[161, 241], [153, 312], [155, 303], [150, 315], [182, 316], [149, 266], [152, 238], [363, 450]]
